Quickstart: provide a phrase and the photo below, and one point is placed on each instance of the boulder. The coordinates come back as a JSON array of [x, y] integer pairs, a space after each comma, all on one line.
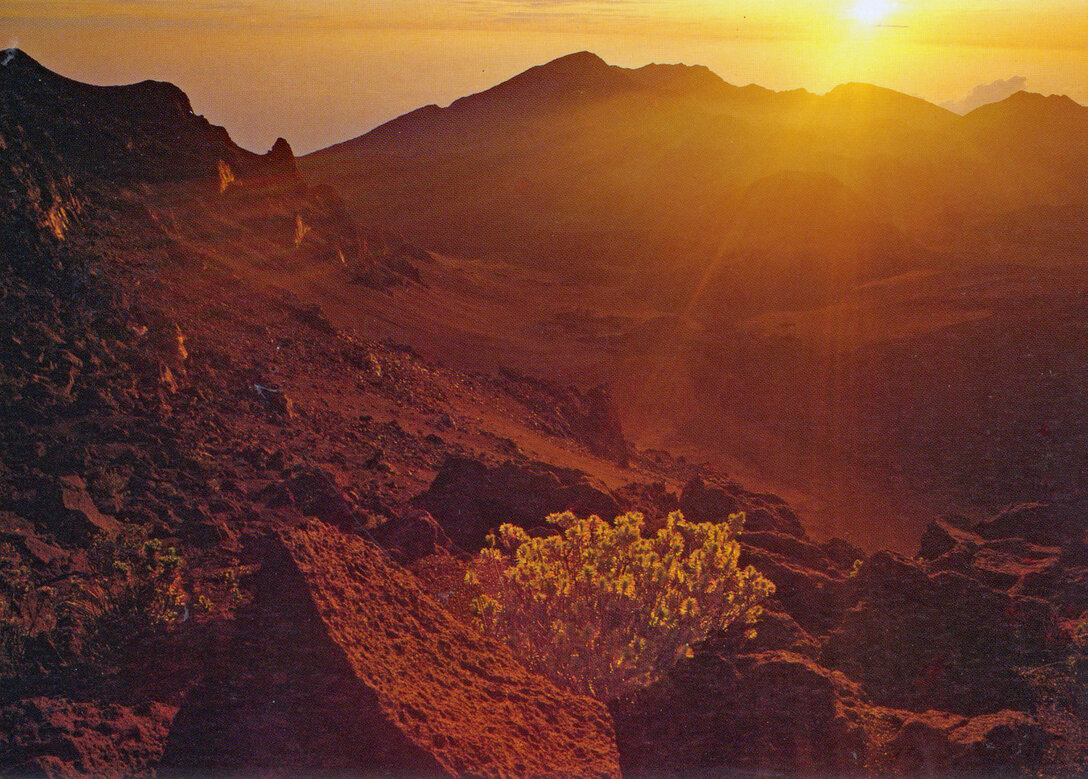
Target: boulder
[[940, 744], [314, 492], [703, 502], [944, 641], [998, 564], [1038, 523], [58, 737], [470, 499], [772, 630], [812, 597], [342, 665], [842, 553], [941, 536], [411, 536], [712, 715], [652, 500]]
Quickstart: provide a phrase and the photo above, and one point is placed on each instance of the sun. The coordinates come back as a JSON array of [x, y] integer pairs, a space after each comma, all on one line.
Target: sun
[[871, 11]]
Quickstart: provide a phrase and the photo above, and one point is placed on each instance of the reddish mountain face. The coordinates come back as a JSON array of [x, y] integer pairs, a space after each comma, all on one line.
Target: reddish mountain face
[[843, 290]]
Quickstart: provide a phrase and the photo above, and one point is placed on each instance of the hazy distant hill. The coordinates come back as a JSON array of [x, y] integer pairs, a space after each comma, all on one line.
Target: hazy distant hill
[[574, 152]]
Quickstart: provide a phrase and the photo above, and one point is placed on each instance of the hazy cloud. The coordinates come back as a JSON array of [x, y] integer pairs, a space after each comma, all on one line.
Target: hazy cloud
[[987, 93]]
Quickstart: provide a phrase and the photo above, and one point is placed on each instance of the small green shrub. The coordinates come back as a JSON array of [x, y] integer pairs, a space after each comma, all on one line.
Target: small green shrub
[[83, 626], [599, 608]]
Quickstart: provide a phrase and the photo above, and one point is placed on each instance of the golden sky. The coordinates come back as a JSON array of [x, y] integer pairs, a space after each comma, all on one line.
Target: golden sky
[[321, 71]]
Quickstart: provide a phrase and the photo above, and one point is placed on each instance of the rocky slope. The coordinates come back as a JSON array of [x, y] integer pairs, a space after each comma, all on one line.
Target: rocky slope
[[231, 531]]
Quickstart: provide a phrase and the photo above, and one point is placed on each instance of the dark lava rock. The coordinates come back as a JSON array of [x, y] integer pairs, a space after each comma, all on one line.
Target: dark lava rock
[[1005, 743], [280, 160], [412, 535], [342, 665], [59, 737], [773, 711], [842, 553], [470, 499], [702, 502], [1001, 565], [941, 536], [315, 493], [813, 594], [651, 500], [594, 421], [1039, 523], [587, 416], [787, 546], [772, 630], [943, 641], [202, 529], [64, 508]]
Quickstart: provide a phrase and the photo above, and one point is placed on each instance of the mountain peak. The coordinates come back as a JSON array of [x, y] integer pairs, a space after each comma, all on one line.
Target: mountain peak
[[1036, 100], [858, 96], [1026, 107], [579, 60], [579, 75], [17, 58], [859, 90], [22, 74], [145, 131], [682, 78], [16, 66]]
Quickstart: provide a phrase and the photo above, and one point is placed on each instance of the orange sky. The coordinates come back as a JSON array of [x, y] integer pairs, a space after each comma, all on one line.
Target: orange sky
[[321, 71]]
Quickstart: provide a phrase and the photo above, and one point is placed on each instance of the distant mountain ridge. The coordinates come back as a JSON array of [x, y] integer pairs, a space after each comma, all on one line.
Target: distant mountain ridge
[[596, 146], [860, 272]]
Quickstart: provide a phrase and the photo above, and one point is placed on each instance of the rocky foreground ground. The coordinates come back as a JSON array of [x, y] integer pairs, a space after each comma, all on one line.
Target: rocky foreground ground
[[181, 428]]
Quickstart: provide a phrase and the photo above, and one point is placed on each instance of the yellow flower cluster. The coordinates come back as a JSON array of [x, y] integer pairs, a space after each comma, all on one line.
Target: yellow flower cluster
[[600, 608]]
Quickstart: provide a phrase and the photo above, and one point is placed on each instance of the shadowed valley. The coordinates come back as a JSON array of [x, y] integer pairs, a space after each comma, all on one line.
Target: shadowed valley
[[867, 300]]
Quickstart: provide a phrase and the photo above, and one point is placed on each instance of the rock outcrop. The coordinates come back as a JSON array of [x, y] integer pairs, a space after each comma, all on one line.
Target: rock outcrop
[[344, 665], [938, 744], [145, 131], [943, 641], [774, 710], [470, 499], [703, 502]]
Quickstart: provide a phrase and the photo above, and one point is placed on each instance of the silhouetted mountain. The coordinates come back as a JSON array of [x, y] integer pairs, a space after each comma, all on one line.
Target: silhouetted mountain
[[575, 77], [597, 147], [1040, 145], [599, 169], [681, 78], [1024, 109], [863, 237], [145, 131]]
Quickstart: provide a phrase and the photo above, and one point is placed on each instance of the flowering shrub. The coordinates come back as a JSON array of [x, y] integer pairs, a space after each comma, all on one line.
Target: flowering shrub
[[599, 608]]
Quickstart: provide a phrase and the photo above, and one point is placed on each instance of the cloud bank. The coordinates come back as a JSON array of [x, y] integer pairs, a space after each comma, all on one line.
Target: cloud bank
[[987, 93]]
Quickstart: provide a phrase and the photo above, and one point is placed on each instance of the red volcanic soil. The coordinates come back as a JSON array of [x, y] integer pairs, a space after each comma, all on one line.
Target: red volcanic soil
[[368, 673], [857, 299]]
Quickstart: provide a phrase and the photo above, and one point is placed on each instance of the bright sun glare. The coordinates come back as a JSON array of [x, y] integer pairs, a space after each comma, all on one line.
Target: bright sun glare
[[871, 11]]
